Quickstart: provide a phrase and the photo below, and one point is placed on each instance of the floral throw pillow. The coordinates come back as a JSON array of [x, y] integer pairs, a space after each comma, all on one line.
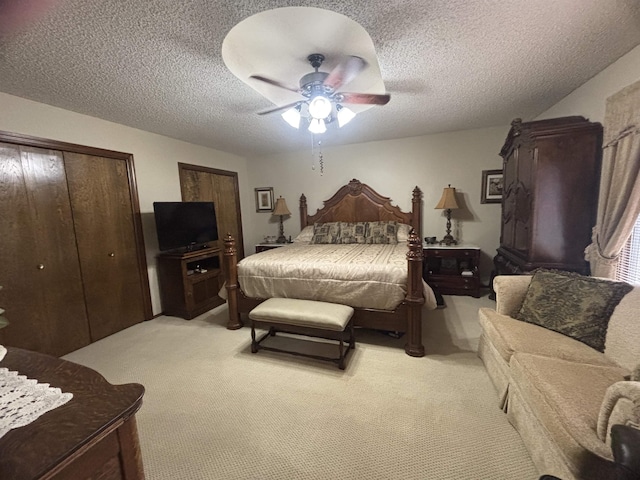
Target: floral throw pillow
[[572, 304], [353, 232], [326, 232], [382, 232]]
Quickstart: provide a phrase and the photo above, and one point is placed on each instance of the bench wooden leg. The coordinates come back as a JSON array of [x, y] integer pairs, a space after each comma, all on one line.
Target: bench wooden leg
[[254, 344], [352, 336], [341, 358]]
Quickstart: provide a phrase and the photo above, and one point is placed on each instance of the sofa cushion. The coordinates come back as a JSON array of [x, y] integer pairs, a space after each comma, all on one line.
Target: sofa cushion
[[509, 335], [565, 398], [623, 332], [571, 304]]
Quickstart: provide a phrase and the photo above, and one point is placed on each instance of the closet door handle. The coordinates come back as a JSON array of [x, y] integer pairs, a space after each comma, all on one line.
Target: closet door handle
[[111, 254], [40, 266]]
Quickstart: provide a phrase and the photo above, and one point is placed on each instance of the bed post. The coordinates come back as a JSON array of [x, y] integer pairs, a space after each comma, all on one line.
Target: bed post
[[303, 211], [415, 297], [231, 281], [416, 209]]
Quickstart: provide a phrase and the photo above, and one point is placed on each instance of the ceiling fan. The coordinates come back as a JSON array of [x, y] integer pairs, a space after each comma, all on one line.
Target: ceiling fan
[[322, 101]]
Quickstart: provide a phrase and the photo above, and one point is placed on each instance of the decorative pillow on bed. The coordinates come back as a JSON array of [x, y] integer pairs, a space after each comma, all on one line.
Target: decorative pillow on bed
[[353, 232], [571, 304], [326, 232], [305, 236], [403, 232], [382, 232]]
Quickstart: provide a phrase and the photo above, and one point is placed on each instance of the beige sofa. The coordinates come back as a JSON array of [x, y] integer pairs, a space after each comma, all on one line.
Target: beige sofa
[[561, 395]]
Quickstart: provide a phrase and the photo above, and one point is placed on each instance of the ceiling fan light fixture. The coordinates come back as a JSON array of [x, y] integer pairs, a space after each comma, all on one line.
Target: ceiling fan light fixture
[[345, 115], [320, 107], [292, 116], [317, 126]]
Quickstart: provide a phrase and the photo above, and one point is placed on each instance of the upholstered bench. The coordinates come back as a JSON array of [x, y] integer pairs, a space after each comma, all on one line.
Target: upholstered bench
[[304, 317]]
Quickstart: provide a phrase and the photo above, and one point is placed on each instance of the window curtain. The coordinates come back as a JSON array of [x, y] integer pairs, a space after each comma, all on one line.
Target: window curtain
[[619, 199]]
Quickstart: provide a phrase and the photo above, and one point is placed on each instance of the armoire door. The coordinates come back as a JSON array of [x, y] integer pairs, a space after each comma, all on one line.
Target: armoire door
[[103, 218], [39, 267], [203, 184]]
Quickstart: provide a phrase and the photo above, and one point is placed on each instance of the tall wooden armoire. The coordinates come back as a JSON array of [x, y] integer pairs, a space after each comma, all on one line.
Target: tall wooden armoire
[[72, 261], [550, 197]]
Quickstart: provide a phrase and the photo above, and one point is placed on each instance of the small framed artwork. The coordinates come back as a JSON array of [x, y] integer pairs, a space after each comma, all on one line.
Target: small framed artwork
[[492, 186], [264, 199]]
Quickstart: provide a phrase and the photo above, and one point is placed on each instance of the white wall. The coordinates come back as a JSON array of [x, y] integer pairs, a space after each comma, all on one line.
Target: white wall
[[155, 158], [590, 98], [393, 168]]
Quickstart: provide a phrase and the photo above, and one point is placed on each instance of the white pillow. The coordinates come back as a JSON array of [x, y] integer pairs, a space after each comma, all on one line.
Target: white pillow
[[305, 235], [403, 232]]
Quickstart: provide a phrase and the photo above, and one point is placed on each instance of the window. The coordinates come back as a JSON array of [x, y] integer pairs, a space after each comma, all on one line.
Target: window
[[629, 264]]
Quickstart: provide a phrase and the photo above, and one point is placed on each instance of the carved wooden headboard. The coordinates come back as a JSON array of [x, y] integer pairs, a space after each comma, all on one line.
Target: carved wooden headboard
[[358, 202]]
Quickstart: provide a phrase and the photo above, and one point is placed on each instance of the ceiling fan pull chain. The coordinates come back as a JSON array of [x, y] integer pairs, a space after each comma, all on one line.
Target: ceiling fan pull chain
[[320, 157]]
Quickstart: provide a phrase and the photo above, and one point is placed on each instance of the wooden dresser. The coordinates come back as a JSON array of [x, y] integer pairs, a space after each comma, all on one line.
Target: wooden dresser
[[551, 181], [92, 436]]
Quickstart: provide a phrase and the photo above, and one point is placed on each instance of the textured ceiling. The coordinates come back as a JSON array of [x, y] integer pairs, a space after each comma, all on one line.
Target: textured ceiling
[[448, 64]]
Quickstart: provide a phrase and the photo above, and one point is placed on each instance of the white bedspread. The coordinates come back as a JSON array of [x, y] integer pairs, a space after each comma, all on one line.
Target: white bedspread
[[371, 276]]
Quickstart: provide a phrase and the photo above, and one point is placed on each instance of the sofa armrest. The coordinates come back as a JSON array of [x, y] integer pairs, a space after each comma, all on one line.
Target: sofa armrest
[[621, 405], [510, 292]]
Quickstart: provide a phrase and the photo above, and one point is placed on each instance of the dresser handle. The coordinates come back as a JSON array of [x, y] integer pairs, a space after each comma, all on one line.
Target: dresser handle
[[40, 266], [111, 254]]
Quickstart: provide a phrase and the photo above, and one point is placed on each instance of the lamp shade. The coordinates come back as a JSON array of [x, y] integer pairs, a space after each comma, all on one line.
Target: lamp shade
[[281, 207], [448, 200], [292, 116]]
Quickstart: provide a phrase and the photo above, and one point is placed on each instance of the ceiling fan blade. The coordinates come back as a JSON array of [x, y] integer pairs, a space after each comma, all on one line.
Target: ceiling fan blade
[[365, 98], [278, 109], [275, 83], [344, 72]]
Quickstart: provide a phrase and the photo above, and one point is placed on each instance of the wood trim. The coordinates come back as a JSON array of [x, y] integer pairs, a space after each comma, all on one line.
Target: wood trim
[[216, 171], [20, 139], [140, 247]]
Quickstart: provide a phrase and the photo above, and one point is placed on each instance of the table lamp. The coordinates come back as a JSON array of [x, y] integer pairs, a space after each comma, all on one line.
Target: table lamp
[[448, 203], [281, 210]]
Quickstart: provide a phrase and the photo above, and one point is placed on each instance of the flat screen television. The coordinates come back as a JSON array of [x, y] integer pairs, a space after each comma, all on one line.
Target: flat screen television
[[185, 225]]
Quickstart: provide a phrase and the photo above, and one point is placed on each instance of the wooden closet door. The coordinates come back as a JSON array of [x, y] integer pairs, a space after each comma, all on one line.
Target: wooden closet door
[[103, 218], [202, 184], [40, 271]]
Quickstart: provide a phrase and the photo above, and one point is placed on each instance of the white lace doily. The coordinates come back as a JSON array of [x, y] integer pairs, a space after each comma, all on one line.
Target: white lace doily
[[23, 400]]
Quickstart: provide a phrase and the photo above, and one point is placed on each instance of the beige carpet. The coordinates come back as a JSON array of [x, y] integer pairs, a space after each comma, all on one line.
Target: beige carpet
[[214, 410]]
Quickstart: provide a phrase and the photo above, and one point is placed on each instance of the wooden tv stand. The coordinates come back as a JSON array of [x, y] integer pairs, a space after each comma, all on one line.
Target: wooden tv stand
[[190, 282]]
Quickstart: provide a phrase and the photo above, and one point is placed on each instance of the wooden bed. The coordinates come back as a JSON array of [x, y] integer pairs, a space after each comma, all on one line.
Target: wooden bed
[[354, 202]]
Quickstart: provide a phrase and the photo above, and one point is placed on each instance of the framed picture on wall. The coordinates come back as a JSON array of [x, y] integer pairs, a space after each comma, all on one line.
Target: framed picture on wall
[[264, 199], [492, 185]]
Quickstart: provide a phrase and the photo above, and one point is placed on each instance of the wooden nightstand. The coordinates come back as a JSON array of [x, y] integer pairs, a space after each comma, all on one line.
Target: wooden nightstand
[[261, 247], [444, 267]]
